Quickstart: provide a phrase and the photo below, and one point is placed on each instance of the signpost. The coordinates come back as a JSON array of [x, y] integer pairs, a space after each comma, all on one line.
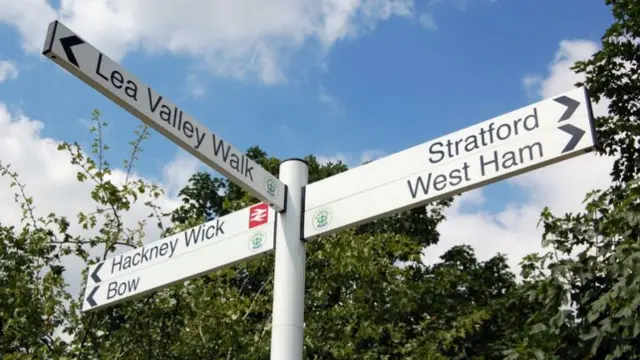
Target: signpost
[[81, 59], [520, 141], [529, 138], [221, 242]]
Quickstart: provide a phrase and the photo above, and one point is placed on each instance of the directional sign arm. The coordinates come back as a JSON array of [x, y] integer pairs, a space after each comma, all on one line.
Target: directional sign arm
[[84, 61], [507, 145], [221, 242]]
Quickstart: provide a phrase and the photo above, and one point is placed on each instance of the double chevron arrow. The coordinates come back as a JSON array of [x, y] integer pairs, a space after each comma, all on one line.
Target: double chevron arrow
[[575, 132], [95, 277]]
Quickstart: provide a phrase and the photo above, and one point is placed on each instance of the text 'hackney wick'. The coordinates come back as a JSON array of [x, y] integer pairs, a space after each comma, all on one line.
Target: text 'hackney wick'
[[292, 211]]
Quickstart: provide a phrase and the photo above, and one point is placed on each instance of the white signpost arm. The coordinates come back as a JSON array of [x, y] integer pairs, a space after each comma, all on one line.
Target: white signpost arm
[[288, 281]]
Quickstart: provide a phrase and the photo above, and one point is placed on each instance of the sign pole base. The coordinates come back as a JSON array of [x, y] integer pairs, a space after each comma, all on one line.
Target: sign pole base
[[288, 281]]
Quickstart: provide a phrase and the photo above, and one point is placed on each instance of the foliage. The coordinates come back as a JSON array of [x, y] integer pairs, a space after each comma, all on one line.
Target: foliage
[[588, 284], [368, 294], [612, 73]]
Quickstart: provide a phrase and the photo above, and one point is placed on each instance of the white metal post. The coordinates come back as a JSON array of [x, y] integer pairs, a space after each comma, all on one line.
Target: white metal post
[[288, 281]]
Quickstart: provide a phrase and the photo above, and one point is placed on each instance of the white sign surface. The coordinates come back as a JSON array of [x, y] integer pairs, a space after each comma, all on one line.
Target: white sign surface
[[218, 243], [84, 61], [537, 135]]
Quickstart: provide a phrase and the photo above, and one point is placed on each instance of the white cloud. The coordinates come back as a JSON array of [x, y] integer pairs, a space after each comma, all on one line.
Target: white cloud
[[238, 38], [328, 99], [333, 103], [560, 78], [351, 159], [323, 159], [194, 86], [427, 22], [176, 173], [8, 71], [51, 180], [563, 186]]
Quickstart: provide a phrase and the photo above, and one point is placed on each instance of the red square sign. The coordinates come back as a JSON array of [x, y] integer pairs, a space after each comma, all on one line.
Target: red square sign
[[258, 215]]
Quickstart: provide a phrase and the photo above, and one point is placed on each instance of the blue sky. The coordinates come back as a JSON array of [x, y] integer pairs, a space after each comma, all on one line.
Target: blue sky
[[394, 82], [395, 87]]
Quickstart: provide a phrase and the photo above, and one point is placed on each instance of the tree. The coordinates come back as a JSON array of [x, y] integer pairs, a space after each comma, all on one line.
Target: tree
[[368, 294], [589, 282]]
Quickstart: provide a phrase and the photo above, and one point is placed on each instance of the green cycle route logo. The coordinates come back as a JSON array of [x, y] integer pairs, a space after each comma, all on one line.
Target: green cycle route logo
[[321, 219], [271, 186], [257, 240]]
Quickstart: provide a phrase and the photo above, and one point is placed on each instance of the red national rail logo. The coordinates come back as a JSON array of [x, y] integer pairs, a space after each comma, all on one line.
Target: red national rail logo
[[258, 215]]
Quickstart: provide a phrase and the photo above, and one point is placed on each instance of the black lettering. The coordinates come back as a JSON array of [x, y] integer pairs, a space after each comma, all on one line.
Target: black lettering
[[436, 152], [484, 163], [98, 68], [449, 149], [533, 117], [490, 132], [153, 105], [131, 90], [509, 160], [173, 245], [134, 261], [153, 253], [465, 167], [455, 177], [219, 229], [127, 262], [238, 163], [516, 126], [133, 284], [503, 136], [199, 136], [118, 263], [175, 122], [458, 142], [530, 149], [213, 233], [440, 182], [234, 162], [482, 137], [187, 129], [471, 143], [117, 79], [165, 113], [425, 187], [118, 289], [247, 168], [192, 237], [145, 254], [112, 290], [220, 148], [163, 249]]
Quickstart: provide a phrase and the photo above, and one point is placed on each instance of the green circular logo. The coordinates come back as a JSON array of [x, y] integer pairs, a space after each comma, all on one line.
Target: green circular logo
[[271, 186], [257, 240], [321, 219]]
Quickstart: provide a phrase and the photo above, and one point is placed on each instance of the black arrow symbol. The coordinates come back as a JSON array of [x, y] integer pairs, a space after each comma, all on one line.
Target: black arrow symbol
[[69, 42], [90, 299], [571, 105], [94, 274], [576, 135]]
